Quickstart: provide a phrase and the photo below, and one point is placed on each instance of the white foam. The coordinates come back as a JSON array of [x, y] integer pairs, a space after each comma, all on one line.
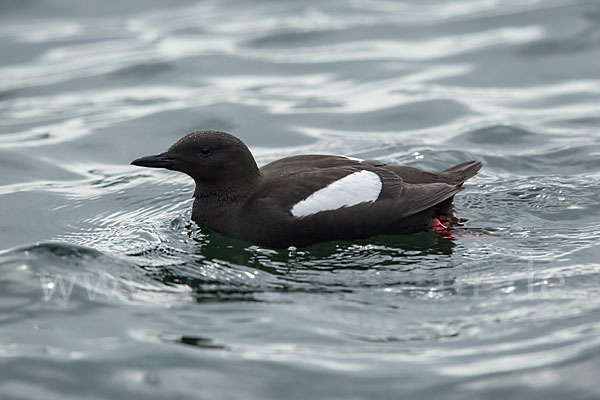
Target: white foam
[[356, 188]]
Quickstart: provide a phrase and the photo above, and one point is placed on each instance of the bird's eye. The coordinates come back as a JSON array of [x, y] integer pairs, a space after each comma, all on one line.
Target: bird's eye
[[205, 151]]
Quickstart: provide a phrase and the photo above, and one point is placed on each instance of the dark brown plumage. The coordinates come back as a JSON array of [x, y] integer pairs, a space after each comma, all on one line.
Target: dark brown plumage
[[233, 196]]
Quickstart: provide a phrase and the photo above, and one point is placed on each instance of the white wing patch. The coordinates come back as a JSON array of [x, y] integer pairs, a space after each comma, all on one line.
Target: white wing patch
[[353, 158], [356, 188]]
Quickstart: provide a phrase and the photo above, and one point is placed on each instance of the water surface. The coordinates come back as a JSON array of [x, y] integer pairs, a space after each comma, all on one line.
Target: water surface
[[108, 290]]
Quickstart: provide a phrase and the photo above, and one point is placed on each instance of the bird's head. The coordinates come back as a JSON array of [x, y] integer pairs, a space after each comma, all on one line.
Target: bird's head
[[209, 157]]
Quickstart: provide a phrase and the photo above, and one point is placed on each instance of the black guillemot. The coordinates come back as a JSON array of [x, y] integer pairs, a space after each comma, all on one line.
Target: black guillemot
[[306, 199]]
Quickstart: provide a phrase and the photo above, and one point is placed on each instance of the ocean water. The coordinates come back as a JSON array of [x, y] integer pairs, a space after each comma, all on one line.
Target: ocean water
[[108, 290]]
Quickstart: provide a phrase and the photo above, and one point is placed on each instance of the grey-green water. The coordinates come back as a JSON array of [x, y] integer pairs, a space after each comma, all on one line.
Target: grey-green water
[[107, 290]]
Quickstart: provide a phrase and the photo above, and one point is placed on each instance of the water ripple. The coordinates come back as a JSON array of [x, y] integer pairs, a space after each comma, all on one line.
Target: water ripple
[[108, 287]]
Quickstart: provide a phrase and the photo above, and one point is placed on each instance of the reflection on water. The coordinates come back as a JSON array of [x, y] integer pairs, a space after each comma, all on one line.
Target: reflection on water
[[108, 288]]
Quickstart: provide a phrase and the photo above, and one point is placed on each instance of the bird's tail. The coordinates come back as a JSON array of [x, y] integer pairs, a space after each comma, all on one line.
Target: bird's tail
[[459, 173]]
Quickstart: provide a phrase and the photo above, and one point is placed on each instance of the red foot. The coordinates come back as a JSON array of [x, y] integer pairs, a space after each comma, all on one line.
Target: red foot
[[450, 228], [442, 227]]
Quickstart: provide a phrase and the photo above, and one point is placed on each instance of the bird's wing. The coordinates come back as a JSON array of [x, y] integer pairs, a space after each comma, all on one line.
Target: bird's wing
[[310, 190], [308, 162], [455, 175], [288, 186]]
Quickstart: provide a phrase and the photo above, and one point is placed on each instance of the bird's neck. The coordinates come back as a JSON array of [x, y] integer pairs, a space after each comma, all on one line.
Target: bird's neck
[[216, 201]]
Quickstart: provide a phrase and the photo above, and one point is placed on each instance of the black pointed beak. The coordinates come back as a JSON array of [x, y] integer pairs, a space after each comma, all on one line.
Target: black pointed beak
[[157, 161]]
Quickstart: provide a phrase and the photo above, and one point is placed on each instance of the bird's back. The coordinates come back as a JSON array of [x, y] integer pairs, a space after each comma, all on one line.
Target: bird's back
[[405, 203]]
